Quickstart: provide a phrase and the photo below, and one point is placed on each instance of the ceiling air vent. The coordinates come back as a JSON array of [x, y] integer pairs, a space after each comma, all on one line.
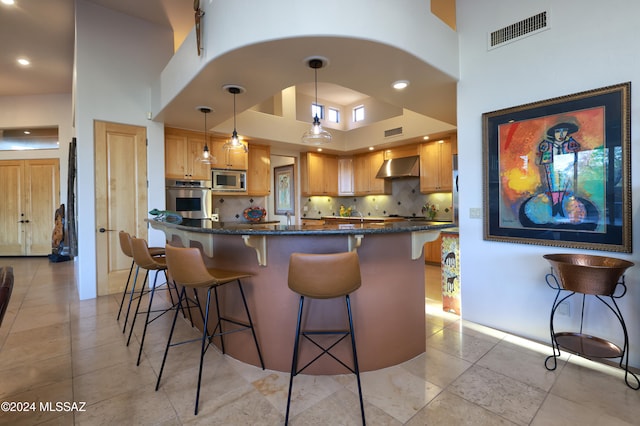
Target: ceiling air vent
[[393, 132], [524, 28]]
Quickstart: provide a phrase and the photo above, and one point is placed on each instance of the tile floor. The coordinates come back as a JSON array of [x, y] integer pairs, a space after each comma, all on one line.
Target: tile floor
[[54, 347]]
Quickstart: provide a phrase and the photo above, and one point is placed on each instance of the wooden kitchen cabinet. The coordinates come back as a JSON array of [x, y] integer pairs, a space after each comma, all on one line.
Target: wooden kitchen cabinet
[[436, 169], [182, 148], [365, 168], [345, 176], [433, 251], [233, 159], [319, 174], [259, 170]]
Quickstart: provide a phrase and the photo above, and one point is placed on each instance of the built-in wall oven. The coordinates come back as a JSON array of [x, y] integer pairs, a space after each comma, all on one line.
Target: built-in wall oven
[[190, 198]]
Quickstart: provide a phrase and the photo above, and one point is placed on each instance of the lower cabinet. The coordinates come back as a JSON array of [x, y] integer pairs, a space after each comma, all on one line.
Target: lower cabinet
[[433, 251]]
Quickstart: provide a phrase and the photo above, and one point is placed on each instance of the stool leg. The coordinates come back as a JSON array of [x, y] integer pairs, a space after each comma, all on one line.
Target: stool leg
[[146, 321], [124, 292], [205, 345], [135, 314], [219, 323], [173, 326], [355, 356], [294, 363], [133, 291], [246, 308]]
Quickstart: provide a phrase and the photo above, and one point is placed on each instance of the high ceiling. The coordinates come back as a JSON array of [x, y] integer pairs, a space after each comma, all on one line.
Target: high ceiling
[[43, 31]]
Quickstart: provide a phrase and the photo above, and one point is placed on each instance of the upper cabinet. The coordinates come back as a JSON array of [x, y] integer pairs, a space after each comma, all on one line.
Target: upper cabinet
[[259, 171], [233, 159], [181, 151], [365, 168], [436, 167], [345, 176], [319, 174]]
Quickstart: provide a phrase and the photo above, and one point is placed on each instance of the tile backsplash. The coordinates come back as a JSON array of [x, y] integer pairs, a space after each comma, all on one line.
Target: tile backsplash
[[405, 200]]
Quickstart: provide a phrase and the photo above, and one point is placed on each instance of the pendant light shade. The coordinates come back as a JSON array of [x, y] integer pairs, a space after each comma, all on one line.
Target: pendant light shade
[[316, 135], [205, 156], [234, 142]]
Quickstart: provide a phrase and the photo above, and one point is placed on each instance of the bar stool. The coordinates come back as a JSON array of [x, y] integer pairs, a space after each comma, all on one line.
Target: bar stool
[[125, 246], [324, 276], [143, 258], [187, 268]]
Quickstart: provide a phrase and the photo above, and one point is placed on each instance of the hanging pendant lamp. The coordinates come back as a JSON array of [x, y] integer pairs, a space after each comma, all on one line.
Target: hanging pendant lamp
[[234, 142], [205, 156], [316, 135]]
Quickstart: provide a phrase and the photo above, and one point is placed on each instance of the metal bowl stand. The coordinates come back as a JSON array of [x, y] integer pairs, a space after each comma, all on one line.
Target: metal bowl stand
[[586, 345]]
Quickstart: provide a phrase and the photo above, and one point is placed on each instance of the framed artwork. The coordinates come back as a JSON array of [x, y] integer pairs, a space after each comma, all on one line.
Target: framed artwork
[[558, 172], [284, 188]]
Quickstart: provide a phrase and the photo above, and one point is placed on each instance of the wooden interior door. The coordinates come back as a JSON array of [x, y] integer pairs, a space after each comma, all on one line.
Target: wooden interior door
[[120, 197], [42, 180], [12, 211], [31, 194]]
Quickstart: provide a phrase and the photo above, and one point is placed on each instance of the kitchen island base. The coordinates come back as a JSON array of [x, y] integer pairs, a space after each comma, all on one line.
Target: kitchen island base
[[389, 307]]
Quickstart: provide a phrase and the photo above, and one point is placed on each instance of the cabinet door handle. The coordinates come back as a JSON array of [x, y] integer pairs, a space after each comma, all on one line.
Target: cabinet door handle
[[103, 230]]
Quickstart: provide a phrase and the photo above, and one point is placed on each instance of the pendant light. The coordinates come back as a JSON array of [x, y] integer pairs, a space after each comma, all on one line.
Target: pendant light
[[234, 142], [205, 156], [316, 135]]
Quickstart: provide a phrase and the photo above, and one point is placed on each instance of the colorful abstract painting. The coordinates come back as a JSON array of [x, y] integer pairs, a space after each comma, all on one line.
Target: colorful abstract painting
[[557, 172]]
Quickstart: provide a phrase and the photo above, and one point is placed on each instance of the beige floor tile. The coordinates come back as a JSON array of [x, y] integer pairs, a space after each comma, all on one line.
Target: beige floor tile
[[499, 394], [558, 411], [24, 377], [397, 392], [106, 383], [35, 345], [450, 409], [600, 388], [462, 345], [142, 406], [523, 365], [437, 367], [58, 392]]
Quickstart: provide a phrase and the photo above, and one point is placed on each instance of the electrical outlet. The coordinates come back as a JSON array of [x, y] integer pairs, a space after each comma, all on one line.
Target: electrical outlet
[[475, 213]]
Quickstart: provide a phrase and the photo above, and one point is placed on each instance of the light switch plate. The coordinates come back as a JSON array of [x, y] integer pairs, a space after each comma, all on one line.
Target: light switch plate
[[475, 213]]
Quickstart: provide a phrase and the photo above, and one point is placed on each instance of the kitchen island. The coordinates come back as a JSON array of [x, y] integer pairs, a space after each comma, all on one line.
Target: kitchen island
[[388, 308]]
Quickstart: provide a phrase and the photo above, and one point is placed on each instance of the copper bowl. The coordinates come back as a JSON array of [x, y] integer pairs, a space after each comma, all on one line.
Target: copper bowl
[[588, 274]]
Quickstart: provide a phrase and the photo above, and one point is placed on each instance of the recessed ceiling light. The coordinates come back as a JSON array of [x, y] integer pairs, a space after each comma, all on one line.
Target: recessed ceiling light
[[27, 132], [400, 84], [426, 138], [8, 2], [319, 149], [371, 148], [23, 61]]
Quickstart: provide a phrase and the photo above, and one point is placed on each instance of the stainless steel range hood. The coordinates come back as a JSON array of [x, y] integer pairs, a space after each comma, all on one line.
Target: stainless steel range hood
[[400, 168]]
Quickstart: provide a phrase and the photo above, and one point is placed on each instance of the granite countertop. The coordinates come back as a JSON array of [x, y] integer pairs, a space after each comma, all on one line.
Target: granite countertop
[[365, 227]]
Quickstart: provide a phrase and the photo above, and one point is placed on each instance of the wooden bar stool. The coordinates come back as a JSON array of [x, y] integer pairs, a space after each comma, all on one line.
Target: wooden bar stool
[[125, 246], [143, 258], [187, 269], [324, 276]]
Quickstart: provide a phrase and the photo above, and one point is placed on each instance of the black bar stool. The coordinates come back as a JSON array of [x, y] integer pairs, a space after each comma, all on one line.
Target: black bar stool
[[125, 246], [188, 270], [143, 258], [324, 276]]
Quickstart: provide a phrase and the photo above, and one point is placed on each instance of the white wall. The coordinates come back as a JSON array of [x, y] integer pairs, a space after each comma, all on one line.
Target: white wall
[[40, 111], [118, 58], [591, 44]]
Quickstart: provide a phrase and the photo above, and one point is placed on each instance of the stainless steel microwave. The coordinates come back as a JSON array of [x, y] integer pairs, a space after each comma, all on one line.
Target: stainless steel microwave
[[229, 180]]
